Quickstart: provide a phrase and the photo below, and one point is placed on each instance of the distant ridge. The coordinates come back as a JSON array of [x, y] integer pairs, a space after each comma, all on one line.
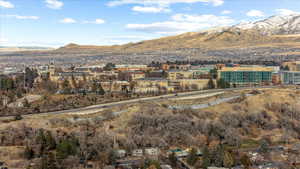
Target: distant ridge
[[272, 30], [23, 48]]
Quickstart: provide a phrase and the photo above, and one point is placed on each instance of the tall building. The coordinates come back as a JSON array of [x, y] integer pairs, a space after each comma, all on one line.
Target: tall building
[[246, 76]]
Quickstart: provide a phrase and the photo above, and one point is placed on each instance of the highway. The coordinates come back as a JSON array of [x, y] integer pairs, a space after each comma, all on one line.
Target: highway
[[97, 108]]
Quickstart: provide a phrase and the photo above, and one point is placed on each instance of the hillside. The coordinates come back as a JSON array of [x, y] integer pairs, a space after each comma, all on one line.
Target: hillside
[[241, 124], [274, 38], [241, 35]]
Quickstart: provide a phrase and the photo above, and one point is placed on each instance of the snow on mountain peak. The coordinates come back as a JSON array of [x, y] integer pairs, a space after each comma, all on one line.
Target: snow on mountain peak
[[280, 24]]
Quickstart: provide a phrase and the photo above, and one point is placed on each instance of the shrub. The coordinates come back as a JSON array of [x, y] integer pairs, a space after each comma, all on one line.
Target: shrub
[[18, 117], [66, 147]]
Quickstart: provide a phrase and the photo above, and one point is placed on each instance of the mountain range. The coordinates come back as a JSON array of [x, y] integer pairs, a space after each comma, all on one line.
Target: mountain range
[[277, 37], [275, 29]]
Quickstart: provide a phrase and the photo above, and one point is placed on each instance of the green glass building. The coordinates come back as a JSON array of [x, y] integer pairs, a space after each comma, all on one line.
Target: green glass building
[[242, 76]]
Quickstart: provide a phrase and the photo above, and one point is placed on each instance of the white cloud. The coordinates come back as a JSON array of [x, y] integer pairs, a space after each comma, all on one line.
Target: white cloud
[[181, 23], [6, 4], [162, 2], [97, 21], [21, 17], [3, 40], [150, 9], [54, 4], [255, 13], [226, 12], [68, 20], [285, 12]]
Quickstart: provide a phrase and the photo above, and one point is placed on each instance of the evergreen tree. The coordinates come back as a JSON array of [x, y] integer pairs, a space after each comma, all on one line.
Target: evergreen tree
[[41, 140], [66, 86], [221, 83], [211, 84], [173, 160], [192, 157], [26, 103], [50, 141], [214, 73], [206, 162], [66, 147], [264, 146], [109, 66], [112, 157], [51, 161], [219, 155], [30, 75], [28, 153]]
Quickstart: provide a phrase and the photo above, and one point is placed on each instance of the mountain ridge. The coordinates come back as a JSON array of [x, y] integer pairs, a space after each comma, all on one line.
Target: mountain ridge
[[244, 34]]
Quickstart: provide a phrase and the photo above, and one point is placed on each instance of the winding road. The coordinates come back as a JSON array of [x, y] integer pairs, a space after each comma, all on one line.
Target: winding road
[[97, 108]]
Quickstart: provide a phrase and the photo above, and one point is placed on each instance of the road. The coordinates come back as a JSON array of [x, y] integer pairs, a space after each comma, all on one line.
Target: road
[[97, 108]]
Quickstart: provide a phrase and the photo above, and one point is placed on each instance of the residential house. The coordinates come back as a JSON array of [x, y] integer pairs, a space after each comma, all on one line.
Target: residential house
[[152, 151], [137, 153], [150, 85], [120, 153], [179, 74]]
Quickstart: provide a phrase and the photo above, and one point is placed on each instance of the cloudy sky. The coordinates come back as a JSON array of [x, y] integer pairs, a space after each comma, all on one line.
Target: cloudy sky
[[105, 22]]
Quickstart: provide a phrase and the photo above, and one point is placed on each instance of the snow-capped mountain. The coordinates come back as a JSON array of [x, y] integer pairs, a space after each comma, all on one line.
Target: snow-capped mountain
[[289, 24]]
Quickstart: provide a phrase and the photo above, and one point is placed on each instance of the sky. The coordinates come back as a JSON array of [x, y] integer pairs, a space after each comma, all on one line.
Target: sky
[[54, 23]]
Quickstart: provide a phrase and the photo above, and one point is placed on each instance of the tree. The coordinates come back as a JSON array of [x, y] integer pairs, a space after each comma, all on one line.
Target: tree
[[152, 164], [219, 155], [66, 147], [228, 160], [211, 84], [192, 157], [264, 146], [48, 85], [30, 75], [112, 157], [221, 83], [51, 162], [73, 82], [26, 103], [206, 162], [246, 162], [28, 153], [41, 140], [173, 160], [48, 161], [66, 86], [18, 117], [50, 141], [97, 88], [109, 66], [214, 73]]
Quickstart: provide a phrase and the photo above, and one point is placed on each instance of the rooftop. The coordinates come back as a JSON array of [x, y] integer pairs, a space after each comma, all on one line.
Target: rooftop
[[261, 69], [152, 79]]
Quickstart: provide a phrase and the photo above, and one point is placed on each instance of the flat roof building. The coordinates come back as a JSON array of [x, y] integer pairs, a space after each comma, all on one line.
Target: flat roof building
[[288, 77], [245, 76]]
